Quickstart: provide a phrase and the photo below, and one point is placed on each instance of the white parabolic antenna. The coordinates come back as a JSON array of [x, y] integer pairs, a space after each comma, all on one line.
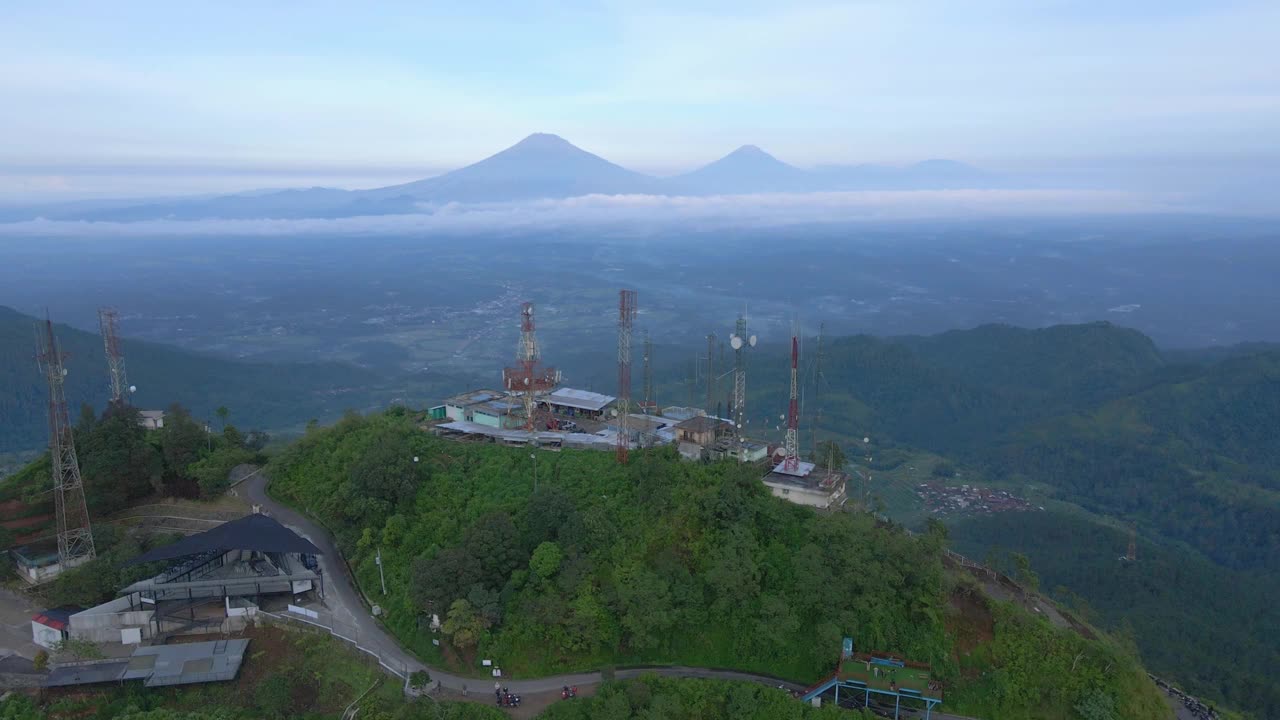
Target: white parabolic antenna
[[752, 341], [735, 342], [133, 388]]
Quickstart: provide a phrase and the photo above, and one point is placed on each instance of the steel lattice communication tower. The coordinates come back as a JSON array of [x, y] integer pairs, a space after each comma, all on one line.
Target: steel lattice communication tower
[[711, 373], [649, 402], [75, 537], [740, 341], [107, 320], [626, 316], [528, 376], [792, 462], [817, 393]]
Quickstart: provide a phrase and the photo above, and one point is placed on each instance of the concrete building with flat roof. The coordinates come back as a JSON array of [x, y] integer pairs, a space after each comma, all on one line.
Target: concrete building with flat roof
[[460, 407], [808, 485]]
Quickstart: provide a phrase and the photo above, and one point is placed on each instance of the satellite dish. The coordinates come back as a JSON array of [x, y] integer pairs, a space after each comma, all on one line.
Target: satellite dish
[[735, 342], [782, 416], [415, 458], [133, 388], [752, 340], [866, 439], [64, 372]]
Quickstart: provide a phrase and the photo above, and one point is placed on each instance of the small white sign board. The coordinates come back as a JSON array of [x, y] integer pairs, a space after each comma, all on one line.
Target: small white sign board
[[486, 663]]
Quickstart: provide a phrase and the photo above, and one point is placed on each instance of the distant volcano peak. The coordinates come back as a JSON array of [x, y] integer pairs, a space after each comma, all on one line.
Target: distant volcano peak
[[544, 141]]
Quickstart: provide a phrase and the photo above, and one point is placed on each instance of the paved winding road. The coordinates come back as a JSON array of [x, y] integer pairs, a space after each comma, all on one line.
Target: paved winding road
[[344, 601]]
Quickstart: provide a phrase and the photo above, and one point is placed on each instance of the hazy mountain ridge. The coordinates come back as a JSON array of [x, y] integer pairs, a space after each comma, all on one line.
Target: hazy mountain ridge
[[260, 395], [541, 166]]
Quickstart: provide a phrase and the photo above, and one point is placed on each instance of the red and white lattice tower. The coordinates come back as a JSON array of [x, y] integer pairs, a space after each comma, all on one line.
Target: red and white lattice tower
[[626, 315], [792, 462], [529, 378], [107, 319], [75, 537]]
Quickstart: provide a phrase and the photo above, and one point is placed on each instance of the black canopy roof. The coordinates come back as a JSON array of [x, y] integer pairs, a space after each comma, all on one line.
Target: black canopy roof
[[251, 532]]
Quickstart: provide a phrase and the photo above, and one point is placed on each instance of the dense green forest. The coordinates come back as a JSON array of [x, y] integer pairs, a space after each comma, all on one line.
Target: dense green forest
[[1179, 442], [122, 463], [661, 561], [267, 396], [1092, 410], [656, 698], [1192, 619]]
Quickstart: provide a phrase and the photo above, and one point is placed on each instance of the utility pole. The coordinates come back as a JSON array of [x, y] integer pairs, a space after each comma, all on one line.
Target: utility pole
[[534, 458], [381, 577], [75, 536]]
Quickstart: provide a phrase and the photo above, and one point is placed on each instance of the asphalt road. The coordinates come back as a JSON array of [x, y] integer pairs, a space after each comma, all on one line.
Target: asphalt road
[[343, 600], [15, 625]]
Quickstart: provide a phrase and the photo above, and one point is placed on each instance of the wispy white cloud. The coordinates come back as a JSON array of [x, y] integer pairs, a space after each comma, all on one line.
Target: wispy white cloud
[[641, 213]]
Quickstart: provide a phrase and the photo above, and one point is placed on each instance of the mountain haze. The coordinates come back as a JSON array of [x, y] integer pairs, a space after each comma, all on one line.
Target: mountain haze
[[260, 395], [745, 170], [541, 166]]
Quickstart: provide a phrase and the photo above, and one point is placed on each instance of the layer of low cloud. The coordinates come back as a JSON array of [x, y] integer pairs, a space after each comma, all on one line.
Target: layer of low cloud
[[639, 212]]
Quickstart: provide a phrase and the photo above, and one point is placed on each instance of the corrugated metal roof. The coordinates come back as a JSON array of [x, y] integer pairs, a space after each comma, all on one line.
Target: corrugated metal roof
[[57, 618], [582, 399], [87, 674], [251, 532]]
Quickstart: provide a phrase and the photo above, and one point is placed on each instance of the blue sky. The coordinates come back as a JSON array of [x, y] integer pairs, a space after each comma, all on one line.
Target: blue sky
[[137, 97]]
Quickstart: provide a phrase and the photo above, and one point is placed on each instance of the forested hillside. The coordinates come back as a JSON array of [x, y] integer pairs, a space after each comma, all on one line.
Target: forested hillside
[[266, 396], [1192, 619], [669, 562], [1196, 459], [1181, 444]]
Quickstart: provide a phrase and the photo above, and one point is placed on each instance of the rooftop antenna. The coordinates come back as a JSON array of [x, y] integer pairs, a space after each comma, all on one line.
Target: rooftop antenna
[[107, 321], [529, 377], [792, 442], [626, 316], [75, 537]]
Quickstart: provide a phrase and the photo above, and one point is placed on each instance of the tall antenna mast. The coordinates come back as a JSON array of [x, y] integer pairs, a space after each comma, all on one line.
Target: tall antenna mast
[[649, 401], [792, 462], [529, 376], [107, 321], [817, 390], [75, 537], [711, 372], [626, 315], [740, 341]]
